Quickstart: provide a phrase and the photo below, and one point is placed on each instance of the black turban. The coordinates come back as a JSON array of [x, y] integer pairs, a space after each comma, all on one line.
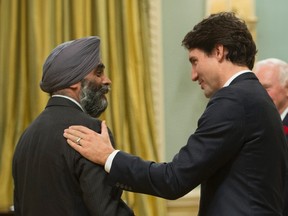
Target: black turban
[[69, 63]]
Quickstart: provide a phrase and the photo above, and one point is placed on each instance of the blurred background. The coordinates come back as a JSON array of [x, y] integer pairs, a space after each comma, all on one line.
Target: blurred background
[[153, 104]]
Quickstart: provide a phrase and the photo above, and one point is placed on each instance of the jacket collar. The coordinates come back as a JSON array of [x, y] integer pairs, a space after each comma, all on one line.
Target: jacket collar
[[244, 76], [61, 101]]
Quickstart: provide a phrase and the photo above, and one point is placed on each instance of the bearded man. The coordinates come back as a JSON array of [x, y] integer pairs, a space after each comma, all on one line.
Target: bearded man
[[50, 177]]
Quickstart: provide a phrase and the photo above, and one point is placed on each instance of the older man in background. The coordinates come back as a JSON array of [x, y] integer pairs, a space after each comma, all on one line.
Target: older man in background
[[273, 75]]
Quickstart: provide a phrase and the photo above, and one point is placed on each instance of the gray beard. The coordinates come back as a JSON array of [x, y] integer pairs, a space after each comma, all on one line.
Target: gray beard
[[93, 99]]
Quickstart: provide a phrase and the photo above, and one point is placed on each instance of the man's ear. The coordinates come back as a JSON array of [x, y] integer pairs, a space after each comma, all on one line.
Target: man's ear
[[220, 52], [286, 88], [74, 91], [75, 86]]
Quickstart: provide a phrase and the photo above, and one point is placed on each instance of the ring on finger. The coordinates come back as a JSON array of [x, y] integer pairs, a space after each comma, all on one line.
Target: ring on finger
[[78, 140]]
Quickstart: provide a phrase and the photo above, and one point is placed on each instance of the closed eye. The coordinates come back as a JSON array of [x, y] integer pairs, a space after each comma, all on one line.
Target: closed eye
[[193, 60], [100, 70]]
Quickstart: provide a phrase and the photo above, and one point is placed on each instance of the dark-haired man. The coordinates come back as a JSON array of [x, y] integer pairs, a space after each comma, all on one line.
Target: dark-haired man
[[238, 153]]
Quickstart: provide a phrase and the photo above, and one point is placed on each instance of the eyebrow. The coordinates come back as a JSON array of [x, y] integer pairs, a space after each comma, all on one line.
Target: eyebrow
[[100, 66], [191, 59]]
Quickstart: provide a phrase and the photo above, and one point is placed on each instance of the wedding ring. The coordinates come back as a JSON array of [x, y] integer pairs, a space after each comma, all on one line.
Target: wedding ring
[[78, 141]]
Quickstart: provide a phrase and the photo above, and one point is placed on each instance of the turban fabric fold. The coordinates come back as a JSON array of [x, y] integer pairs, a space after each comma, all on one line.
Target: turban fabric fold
[[69, 63]]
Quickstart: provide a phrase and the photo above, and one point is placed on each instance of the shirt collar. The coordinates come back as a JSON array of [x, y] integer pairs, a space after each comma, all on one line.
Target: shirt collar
[[234, 76], [71, 99], [284, 113]]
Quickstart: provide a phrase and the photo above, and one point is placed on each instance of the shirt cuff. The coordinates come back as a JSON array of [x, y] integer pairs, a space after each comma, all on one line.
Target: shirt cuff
[[109, 161]]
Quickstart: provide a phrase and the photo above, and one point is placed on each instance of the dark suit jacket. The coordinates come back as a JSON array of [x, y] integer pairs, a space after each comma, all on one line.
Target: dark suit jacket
[[285, 125], [238, 154], [53, 179]]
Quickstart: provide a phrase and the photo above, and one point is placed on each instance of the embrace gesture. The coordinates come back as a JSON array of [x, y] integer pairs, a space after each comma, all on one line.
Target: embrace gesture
[[93, 146]]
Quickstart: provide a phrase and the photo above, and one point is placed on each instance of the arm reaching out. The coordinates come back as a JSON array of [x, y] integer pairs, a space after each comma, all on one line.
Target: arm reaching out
[[90, 144]]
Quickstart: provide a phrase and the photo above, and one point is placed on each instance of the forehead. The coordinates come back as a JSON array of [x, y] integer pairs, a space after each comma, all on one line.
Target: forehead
[[267, 76], [196, 54], [267, 71]]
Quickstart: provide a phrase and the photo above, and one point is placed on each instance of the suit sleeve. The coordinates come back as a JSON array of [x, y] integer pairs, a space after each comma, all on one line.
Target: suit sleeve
[[99, 197], [217, 140]]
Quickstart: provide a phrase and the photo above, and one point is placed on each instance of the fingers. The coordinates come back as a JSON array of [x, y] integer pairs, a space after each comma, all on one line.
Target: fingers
[[78, 133], [90, 144], [73, 135], [104, 130], [75, 146]]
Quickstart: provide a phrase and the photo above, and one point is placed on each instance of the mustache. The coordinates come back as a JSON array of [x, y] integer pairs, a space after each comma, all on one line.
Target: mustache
[[104, 89]]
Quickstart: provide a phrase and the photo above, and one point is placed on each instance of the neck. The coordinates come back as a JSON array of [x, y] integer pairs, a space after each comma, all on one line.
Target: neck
[[68, 93], [230, 70]]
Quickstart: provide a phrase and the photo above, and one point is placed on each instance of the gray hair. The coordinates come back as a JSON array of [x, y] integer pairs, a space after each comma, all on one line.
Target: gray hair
[[280, 64]]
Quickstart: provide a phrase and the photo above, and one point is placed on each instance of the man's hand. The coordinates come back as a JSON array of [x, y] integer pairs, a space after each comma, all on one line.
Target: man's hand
[[91, 145]]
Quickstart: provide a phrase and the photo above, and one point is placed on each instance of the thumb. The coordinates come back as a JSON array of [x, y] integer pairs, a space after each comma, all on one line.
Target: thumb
[[104, 130]]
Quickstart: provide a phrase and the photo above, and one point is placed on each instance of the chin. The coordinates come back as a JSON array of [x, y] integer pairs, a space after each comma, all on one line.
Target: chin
[[208, 94]]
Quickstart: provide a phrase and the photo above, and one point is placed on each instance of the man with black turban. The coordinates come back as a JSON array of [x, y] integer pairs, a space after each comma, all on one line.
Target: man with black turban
[[50, 177]]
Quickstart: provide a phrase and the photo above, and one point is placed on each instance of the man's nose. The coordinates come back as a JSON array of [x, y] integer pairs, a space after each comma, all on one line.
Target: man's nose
[[106, 80], [194, 75]]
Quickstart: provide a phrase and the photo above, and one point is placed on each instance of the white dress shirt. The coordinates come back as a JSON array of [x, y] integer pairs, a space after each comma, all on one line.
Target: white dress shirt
[[284, 113]]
